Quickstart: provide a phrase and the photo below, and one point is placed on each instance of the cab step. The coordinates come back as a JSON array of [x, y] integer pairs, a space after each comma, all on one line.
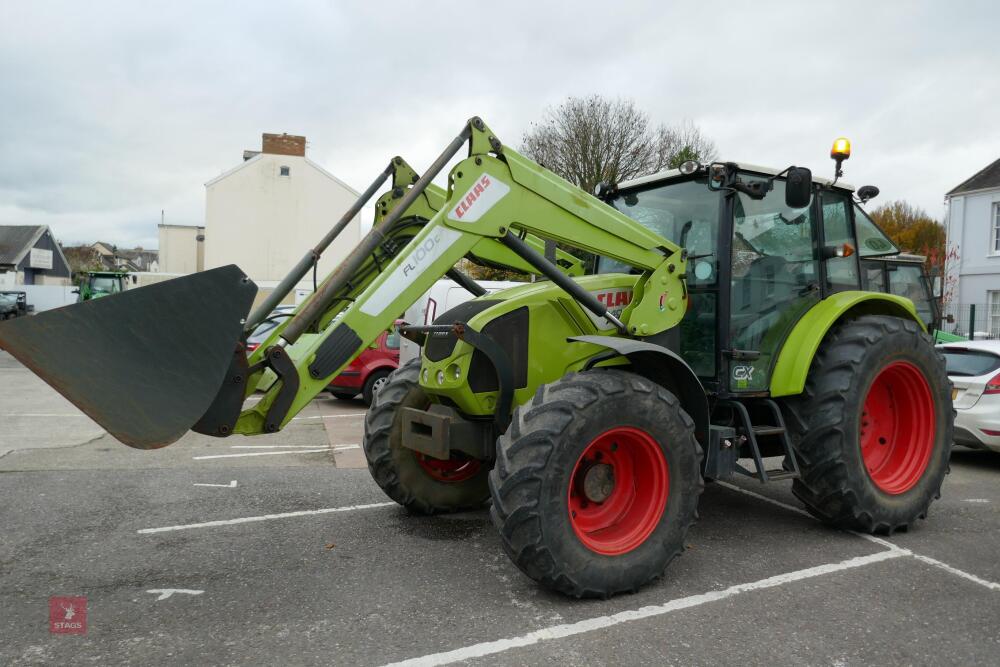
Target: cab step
[[750, 432]]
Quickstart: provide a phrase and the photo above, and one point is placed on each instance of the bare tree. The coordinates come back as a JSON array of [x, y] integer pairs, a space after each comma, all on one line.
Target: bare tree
[[587, 140]]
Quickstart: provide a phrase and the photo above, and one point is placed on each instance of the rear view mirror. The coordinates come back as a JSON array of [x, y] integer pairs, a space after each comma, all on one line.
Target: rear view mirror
[[798, 187]]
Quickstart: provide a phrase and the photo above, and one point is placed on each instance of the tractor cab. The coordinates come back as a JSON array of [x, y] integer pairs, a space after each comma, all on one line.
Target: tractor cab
[[97, 284], [904, 275], [759, 258]]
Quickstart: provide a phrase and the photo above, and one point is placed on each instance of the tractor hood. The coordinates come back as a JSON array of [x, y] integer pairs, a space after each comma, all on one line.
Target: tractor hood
[[527, 322]]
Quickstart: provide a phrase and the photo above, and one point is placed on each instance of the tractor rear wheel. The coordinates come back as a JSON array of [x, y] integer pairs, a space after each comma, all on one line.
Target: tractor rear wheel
[[873, 428], [596, 483], [422, 484]]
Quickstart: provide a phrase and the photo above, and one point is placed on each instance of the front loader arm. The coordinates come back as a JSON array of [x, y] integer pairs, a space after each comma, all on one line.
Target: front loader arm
[[489, 251], [494, 195]]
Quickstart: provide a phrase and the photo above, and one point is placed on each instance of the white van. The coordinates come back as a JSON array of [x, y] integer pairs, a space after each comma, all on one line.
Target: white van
[[440, 298]]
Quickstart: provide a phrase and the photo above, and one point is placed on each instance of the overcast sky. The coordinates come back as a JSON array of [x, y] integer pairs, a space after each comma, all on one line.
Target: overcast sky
[[115, 110]]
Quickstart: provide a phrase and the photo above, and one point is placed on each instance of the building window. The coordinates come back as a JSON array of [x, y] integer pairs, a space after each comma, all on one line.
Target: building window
[[995, 227], [993, 313], [285, 171]]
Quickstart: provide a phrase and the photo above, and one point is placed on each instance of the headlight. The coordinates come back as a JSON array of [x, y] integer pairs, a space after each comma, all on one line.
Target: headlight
[[455, 372], [440, 377], [425, 375]]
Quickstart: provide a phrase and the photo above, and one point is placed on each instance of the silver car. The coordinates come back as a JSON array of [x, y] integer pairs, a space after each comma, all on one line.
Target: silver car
[[974, 370]]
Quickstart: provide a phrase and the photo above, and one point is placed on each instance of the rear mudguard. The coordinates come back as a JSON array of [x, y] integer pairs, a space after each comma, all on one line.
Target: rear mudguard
[[795, 358], [667, 369]]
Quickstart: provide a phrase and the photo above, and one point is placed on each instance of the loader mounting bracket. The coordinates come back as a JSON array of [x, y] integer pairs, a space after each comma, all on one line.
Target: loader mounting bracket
[[284, 368], [221, 416]]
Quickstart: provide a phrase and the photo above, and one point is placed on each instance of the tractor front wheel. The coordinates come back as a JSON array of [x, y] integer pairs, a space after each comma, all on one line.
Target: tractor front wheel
[[422, 484], [596, 483], [873, 428]]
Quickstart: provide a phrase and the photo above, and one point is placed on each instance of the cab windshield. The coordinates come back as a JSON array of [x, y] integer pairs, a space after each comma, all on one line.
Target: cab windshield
[[686, 213], [105, 284]]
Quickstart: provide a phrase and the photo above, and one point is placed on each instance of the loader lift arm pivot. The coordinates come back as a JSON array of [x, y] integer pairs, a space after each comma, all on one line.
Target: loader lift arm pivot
[[491, 194]]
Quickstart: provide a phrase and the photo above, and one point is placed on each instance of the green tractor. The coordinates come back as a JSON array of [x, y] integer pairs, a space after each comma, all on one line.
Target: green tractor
[[97, 284], [726, 322]]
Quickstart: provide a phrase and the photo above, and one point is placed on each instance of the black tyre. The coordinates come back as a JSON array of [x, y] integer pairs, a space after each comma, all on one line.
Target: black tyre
[[873, 428], [373, 385], [343, 395], [596, 483], [420, 483]]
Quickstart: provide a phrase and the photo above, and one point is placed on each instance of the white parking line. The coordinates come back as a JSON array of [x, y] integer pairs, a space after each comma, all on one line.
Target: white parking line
[[877, 540], [313, 450], [264, 517], [960, 573], [44, 414], [349, 414], [232, 484], [601, 622], [349, 445], [165, 593], [798, 510], [233, 456]]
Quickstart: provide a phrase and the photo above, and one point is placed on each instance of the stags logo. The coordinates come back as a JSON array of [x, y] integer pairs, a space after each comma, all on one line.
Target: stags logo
[[479, 199], [68, 615]]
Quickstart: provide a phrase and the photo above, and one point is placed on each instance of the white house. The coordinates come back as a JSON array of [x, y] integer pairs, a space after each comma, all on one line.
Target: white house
[[265, 213], [973, 228], [182, 248]]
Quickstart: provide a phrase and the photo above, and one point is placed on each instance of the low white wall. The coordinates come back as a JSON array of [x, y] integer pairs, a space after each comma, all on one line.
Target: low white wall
[[47, 297]]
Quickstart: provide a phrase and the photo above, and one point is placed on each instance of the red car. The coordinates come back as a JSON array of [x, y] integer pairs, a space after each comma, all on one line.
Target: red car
[[370, 371]]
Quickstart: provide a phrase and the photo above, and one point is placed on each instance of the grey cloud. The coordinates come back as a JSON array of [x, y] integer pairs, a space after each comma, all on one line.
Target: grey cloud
[[116, 110]]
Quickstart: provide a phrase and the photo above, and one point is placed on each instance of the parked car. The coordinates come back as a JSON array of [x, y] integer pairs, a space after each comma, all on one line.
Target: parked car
[[365, 375], [8, 307], [369, 372], [974, 370], [264, 329], [440, 298], [21, 305]]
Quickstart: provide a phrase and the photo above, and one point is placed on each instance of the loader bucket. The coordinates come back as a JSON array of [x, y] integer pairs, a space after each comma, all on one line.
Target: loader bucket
[[145, 364]]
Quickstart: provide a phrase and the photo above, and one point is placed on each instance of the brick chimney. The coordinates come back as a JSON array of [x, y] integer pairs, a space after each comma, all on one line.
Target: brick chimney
[[283, 144]]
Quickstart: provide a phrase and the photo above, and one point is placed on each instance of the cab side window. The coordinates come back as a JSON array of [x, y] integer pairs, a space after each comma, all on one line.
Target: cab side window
[[909, 281]]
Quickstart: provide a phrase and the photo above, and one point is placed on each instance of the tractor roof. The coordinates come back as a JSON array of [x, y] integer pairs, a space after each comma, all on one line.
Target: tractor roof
[[756, 168]]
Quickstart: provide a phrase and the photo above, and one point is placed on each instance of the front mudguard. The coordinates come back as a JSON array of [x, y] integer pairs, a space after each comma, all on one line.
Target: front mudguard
[[665, 368]]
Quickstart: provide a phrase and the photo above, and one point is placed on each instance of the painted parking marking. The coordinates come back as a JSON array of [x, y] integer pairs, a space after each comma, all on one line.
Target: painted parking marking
[[350, 445], [602, 622], [46, 415], [312, 450], [877, 540], [348, 414], [244, 454], [231, 485], [263, 517], [165, 593], [959, 573]]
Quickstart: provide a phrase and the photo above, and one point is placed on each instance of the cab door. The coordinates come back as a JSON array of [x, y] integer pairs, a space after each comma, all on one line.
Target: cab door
[[775, 280]]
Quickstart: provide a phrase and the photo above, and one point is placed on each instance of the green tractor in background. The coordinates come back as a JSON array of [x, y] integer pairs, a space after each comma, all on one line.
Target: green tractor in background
[[97, 284], [726, 322]]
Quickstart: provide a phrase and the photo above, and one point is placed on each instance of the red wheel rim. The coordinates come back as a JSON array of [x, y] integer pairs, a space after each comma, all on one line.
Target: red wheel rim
[[452, 470], [618, 491], [897, 427]]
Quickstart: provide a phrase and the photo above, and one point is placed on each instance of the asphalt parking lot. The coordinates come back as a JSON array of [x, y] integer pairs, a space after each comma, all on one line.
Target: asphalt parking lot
[[281, 550]]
